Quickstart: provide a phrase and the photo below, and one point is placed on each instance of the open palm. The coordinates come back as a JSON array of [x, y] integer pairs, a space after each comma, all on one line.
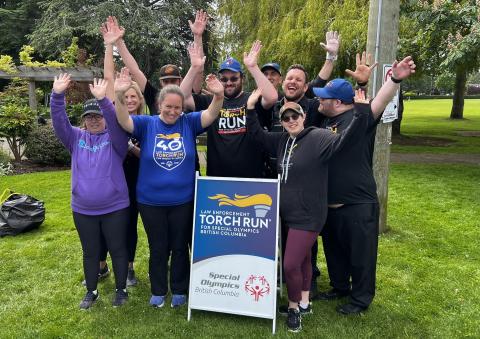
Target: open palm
[[61, 83], [123, 81]]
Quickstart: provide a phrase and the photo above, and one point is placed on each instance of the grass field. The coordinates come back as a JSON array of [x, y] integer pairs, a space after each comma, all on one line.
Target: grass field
[[428, 272], [430, 118]]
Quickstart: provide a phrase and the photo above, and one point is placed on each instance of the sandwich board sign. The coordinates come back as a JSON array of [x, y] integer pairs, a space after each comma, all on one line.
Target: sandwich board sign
[[234, 247]]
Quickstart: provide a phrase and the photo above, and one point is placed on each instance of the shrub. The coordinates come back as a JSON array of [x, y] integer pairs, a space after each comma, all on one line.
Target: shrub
[[5, 165], [43, 147]]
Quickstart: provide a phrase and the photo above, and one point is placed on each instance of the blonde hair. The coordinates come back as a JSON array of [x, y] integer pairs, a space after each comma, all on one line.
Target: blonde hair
[[141, 107]]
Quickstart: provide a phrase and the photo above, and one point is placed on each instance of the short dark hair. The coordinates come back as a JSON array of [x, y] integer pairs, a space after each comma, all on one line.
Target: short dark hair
[[300, 67]]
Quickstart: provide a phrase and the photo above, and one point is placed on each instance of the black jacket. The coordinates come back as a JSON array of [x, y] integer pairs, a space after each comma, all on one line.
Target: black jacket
[[303, 165]]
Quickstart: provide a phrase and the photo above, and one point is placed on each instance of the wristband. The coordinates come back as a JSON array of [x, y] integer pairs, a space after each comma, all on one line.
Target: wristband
[[332, 57], [362, 84], [397, 81], [130, 145]]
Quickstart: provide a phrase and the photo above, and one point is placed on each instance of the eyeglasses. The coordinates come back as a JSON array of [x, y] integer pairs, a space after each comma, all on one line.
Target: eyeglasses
[[96, 117], [231, 79], [294, 117]]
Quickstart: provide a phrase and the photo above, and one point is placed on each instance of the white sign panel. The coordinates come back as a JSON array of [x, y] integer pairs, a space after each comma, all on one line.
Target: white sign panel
[[391, 111]]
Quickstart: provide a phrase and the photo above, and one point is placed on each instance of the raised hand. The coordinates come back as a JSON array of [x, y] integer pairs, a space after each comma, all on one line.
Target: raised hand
[[251, 59], [332, 39], [363, 68], [98, 88], [360, 97], [253, 98], [214, 85], [201, 20], [111, 31], [61, 82], [195, 53], [123, 80], [403, 69]]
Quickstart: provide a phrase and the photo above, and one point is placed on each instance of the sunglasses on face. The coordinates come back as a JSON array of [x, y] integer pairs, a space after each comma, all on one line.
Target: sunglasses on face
[[294, 117], [231, 79], [96, 117]]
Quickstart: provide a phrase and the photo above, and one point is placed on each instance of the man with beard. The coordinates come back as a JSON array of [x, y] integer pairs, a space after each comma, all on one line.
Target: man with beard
[[230, 150], [274, 75], [350, 235]]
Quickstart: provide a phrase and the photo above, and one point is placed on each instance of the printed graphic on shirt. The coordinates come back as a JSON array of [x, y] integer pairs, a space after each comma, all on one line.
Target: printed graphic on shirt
[[169, 150], [232, 121], [95, 148], [333, 128]]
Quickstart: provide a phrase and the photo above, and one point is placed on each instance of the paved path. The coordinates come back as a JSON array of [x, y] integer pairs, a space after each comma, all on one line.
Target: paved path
[[434, 158]]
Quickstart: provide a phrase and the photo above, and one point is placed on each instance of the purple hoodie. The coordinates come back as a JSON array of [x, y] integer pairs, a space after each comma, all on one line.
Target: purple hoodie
[[98, 181]]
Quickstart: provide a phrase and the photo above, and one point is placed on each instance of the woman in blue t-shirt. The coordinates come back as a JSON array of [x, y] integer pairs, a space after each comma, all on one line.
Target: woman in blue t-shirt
[[166, 182]]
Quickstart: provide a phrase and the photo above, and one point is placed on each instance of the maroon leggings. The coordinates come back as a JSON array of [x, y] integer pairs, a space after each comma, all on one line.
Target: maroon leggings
[[296, 263]]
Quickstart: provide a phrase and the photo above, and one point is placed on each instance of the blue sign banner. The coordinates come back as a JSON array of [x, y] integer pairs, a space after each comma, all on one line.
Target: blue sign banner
[[234, 255]]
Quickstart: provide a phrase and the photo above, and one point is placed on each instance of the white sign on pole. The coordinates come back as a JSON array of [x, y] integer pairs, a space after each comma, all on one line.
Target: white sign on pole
[[391, 111]]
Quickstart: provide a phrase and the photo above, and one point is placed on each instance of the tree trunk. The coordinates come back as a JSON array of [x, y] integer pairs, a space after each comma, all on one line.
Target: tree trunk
[[459, 94]]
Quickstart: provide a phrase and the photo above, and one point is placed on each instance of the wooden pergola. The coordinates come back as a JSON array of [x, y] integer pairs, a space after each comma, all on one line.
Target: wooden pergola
[[38, 74]]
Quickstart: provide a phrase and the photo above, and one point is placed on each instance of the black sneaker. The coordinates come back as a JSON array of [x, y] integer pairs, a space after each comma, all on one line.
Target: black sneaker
[[294, 320], [102, 274], [88, 300], [131, 279], [283, 310], [121, 297]]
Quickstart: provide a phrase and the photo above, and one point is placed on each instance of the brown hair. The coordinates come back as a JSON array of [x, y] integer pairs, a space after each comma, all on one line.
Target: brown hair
[[170, 89]]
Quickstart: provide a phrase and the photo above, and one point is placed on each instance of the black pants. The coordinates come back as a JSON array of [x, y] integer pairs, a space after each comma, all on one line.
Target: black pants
[[350, 243], [132, 235], [91, 229], [168, 229]]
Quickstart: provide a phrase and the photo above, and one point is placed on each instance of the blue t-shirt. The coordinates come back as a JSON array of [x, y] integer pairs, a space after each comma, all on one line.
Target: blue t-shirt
[[167, 159]]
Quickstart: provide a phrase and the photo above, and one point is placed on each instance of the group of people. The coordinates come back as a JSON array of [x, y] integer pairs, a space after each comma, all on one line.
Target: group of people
[[317, 136]]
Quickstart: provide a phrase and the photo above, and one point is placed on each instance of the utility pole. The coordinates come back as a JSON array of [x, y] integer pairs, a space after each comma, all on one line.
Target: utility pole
[[382, 43]]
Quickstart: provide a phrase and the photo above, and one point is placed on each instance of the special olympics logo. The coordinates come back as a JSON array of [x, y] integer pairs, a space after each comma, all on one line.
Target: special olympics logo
[[257, 286]]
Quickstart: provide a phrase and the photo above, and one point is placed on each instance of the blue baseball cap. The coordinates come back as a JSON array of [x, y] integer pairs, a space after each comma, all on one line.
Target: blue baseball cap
[[231, 64], [338, 88], [271, 65]]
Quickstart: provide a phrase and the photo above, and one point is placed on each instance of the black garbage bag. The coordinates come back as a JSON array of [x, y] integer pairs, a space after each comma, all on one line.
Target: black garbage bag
[[20, 213]]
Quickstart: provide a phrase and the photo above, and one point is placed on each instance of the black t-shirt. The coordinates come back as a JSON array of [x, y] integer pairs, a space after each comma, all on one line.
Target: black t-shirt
[[150, 95], [231, 152], [350, 179]]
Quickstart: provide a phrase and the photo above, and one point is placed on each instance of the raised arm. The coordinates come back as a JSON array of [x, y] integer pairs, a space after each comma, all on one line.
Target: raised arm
[[215, 87], [197, 60], [118, 137], [363, 70], [127, 58], [61, 124], [400, 70], [109, 39], [268, 140], [269, 93], [197, 28], [122, 84]]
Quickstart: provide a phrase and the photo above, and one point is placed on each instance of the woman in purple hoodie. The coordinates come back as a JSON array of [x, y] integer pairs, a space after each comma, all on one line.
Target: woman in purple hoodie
[[99, 191]]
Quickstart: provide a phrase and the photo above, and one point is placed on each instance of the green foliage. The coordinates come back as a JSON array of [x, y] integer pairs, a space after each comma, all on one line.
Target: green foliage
[[4, 158], [16, 117], [43, 147], [70, 54], [291, 31], [74, 113], [26, 57], [6, 64]]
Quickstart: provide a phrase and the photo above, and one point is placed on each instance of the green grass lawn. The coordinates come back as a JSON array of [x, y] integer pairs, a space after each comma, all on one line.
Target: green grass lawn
[[428, 272], [431, 118]]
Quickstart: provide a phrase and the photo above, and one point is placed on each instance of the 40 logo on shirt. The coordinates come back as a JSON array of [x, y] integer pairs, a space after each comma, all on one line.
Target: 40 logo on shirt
[[169, 150]]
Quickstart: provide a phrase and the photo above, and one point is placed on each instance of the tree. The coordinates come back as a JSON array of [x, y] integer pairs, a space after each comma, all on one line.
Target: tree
[[157, 32], [16, 117], [291, 31], [447, 38]]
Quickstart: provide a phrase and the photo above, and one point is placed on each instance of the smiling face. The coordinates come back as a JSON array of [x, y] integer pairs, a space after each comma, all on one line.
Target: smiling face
[[94, 123], [132, 100], [171, 108], [232, 83], [293, 122], [295, 85]]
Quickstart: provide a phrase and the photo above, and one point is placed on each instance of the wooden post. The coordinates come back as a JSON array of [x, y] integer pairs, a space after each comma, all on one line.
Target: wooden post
[[382, 43], [32, 99]]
